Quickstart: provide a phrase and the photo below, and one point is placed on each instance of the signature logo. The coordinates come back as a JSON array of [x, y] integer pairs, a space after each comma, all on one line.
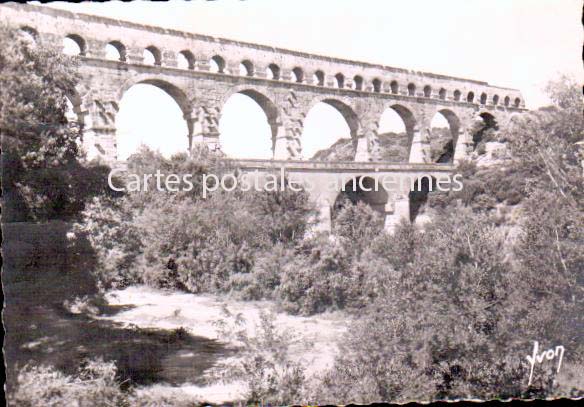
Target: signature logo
[[549, 354]]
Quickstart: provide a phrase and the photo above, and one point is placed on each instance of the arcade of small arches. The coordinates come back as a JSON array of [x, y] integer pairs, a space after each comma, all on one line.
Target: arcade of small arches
[[115, 50]]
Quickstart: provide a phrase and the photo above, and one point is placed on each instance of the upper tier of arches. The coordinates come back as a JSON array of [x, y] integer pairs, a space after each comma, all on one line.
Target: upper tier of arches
[[185, 59]]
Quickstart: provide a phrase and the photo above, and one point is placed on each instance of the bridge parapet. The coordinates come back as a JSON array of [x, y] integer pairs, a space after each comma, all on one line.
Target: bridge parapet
[[337, 166]]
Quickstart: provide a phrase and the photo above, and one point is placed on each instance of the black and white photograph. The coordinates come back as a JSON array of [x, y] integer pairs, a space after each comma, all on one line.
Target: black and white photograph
[[293, 202]]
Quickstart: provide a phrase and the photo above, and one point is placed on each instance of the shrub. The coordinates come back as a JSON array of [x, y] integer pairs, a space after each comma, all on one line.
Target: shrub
[[355, 225], [116, 241], [440, 311], [264, 362], [168, 239], [265, 277], [94, 385]]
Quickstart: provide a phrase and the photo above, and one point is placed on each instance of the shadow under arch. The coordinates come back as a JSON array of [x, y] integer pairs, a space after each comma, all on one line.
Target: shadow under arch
[[418, 196], [403, 141], [484, 121], [361, 189], [446, 151]]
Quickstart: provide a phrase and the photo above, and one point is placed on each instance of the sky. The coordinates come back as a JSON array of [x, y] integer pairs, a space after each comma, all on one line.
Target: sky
[[511, 43]]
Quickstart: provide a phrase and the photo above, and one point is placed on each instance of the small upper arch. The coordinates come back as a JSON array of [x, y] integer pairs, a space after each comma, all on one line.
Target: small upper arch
[[442, 93], [217, 64], [246, 68], [483, 98], [394, 87], [152, 55], [358, 82], [411, 89], [340, 80], [186, 59], [115, 51], [319, 78], [457, 95], [470, 97], [427, 91], [273, 71], [376, 85], [507, 101], [74, 44], [495, 99], [298, 74], [517, 102]]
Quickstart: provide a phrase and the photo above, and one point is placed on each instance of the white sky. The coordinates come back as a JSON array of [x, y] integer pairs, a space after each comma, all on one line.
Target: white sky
[[511, 43]]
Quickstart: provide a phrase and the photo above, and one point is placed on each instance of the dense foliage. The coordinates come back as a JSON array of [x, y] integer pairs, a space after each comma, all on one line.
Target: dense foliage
[[183, 240], [42, 177]]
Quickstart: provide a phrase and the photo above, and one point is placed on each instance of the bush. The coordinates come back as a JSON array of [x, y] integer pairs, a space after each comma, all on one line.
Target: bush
[[355, 225], [314, 283], [441, 311], [94, 385], [327, 272], [263, 363], [265, 277], [181, 240], [116, 241]]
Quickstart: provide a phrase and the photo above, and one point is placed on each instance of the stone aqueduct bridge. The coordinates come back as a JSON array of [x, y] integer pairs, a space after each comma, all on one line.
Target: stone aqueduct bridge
[[325, 181], [286, 84]]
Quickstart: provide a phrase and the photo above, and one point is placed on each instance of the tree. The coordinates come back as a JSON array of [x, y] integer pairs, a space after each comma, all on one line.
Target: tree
[[41, 175]]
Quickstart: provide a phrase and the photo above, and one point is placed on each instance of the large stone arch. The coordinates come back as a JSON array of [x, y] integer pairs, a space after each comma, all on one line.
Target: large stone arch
[[261, 96], [453, 120], [365, 188], [489, 113], [265, 100], [455, 125], [483, 120], [172, 89], [344, 107], [407, 115]]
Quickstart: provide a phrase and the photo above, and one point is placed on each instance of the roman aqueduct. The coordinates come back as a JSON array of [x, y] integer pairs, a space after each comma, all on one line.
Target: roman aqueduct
[[285, 84]]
